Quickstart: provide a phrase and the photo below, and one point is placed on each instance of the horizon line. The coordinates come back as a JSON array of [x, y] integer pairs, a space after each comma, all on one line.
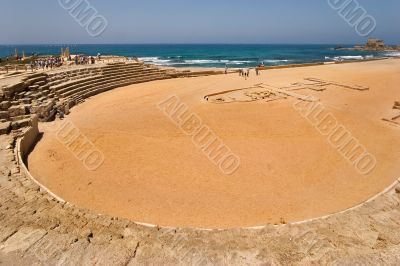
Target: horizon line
[[60, 44]]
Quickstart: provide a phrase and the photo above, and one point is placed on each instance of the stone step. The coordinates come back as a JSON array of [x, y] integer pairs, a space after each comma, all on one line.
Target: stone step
[[26, 100], [41, 83], [33, 87], [44, 87], [74, 82], [35, 80], [55, 76], [96, 82], [90, 92], [58, 84], [36, 95], [123, 67], [17, 110], [5, 127], [114, 71], [128, 66], [129, 71], [113, 65], [103, 82], [4, 115], [4, 105], [21, 123], [33, 76]]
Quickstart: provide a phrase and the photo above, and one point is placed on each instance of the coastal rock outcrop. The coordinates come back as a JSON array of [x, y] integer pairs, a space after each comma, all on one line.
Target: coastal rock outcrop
[[372, 45]]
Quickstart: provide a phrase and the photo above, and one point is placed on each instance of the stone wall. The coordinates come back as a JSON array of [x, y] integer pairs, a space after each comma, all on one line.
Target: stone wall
[[375, 43], [29, 139]]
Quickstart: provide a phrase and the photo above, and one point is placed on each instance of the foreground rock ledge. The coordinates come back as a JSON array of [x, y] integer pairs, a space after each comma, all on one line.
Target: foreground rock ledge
[[35, 228]]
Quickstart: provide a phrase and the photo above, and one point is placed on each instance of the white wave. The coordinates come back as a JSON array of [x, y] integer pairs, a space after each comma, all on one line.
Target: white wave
[[275, 61], [148, 58], [239, 62], [209, 61], [357, 57], [155, 60], [394, 54], [350, 57], [202, 61], [158, 61]]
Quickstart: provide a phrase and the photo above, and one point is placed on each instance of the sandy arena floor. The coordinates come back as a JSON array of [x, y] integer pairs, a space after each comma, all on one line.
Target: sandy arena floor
[[153, 173]]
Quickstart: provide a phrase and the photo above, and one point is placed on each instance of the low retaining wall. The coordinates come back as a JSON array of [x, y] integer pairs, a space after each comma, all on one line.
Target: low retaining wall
[[29, 139], [24, 146]]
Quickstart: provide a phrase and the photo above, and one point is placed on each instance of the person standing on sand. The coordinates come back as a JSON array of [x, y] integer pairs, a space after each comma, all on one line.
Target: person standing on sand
[[248, 72], [226, 69]]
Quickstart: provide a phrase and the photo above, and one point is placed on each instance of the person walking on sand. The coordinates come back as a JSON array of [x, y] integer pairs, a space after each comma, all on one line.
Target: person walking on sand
[[248, 72], [226, 69]]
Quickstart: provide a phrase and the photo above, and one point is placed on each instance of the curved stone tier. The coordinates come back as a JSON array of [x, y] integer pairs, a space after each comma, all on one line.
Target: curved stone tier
[[46, 93]]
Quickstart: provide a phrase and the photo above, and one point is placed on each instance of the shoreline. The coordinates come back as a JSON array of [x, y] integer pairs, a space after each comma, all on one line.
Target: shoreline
[[194, 69]]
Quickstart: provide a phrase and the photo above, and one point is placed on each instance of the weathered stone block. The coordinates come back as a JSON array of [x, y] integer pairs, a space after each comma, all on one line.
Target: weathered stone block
[[34, 87], [4, 115], [41, 83], [36, 95], [45, 87], [21, 123], [22, 240], [4, 105], [26, 100], [14, 88], [44, 109], [5, 128], [37, 79], [16, 110], [21, 94]]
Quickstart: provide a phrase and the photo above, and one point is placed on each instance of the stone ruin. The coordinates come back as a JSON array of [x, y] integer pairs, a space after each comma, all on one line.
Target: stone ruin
[[46, 94], [268, 93], [394, 119], [375, 44]]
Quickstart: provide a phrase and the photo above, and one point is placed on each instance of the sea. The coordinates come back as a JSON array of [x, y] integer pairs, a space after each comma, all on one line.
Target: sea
[[207, 55]]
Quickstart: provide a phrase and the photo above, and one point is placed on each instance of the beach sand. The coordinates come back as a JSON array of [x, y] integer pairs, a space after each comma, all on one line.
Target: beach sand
[[153, 173]]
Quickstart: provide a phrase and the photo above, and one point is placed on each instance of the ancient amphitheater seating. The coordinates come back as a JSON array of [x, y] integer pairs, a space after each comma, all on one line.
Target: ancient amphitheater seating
[[42, 94]]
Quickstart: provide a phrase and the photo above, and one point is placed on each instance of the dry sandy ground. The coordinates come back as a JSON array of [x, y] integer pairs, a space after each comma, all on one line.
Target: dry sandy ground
[[153, 173]]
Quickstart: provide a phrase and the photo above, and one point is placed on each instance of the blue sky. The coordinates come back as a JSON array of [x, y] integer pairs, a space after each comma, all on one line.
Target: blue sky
[[195, 21]]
